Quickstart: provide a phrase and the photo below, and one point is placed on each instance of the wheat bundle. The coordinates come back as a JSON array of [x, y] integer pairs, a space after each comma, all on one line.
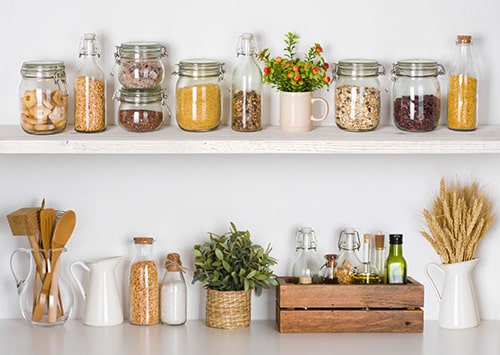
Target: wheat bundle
[[460, 217]]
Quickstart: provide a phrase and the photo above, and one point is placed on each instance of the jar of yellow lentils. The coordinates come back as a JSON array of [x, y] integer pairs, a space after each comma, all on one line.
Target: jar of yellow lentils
[[199, 94]]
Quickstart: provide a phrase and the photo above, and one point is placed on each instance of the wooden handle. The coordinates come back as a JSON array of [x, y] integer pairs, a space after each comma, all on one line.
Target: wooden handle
[[44, 293]]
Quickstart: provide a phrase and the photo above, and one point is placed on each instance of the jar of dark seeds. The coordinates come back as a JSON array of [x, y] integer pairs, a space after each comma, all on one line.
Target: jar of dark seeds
[[140, 64], [141, 110], [416, 94], [357, 94]]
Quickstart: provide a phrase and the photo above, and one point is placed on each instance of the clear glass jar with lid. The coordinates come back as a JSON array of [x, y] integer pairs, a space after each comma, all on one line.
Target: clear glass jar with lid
[[140, 64], [416, 94], [43, 97], [141, 110], [357, 94], [199, 94]]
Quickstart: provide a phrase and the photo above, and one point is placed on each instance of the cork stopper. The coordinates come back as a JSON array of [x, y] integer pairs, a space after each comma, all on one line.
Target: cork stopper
[[367, 237], [464, 39], [143, 240], [173, 262], [379, 240]]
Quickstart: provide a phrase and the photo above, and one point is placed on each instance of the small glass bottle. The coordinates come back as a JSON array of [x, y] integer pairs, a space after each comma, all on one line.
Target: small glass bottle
[[90, 88], [143, 285], [246, 103], [348, 262], [357, 94], [366, 273], [173, 292], [306, 266], [416, 94], [327, 271], [199, 94], [396, 263], [463, 88], [379, 255], [141, 110], [43, 95]]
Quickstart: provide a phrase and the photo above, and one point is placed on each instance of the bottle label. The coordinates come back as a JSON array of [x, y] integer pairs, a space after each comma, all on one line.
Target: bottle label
[[396, 275]]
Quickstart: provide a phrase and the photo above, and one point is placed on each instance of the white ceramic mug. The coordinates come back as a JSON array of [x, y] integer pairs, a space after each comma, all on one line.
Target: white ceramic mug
[[296, 111]]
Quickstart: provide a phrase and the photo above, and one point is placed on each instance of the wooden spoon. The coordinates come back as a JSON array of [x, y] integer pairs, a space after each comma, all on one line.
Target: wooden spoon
[[62, 232], [47, 218]]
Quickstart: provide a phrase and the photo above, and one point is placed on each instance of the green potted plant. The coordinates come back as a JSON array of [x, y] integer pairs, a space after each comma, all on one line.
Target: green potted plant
[[296, 79], [230, 266]]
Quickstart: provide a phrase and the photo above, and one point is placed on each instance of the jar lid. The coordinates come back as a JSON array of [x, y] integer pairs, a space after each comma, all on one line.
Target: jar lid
[[145, 96], [417, 68], [200, 67], [143, 240], [464, 39], [140, 50], [43, 69], [359, 67]]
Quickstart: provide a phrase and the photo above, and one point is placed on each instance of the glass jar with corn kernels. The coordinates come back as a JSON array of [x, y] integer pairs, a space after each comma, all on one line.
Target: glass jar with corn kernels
[[43, 97], [199, 94], [357, 94]]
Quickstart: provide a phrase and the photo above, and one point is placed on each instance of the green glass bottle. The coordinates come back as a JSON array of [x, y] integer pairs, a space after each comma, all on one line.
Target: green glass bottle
[[396, 264]]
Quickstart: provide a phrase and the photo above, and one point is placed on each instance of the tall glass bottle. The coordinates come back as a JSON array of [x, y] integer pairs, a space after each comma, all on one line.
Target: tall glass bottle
[[173, 292], [366, 273], [379, 255], [246, 87], [143, 285], [90, 88], [348, 262], [463, 88], [306, 266], [396, 264]]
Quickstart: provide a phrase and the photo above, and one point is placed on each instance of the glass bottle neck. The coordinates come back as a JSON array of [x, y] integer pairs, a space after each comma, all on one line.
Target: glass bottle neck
[[396, 249]]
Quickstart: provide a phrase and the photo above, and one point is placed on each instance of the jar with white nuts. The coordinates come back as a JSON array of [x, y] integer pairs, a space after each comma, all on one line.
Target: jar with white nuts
[[357, 94], [43, 97], [143, 285]]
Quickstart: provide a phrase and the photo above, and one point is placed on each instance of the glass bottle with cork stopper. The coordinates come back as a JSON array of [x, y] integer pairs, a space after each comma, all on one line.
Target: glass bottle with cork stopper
[[348, 262], [463, 88], [366, 273], [173, 292]]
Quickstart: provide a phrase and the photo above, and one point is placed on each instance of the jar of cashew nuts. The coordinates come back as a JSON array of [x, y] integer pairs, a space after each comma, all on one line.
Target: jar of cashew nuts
[[43, 97], [357, 94]]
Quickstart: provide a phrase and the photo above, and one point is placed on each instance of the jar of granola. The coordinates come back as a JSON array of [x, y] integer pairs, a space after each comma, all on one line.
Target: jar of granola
[[43, 97], [199, 94], [416, 94], [357, 94], [141, 110], [140, 64], [143, 286]]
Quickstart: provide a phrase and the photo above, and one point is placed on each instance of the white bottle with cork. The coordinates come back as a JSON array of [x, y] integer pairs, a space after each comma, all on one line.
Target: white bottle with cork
[[173, 292]]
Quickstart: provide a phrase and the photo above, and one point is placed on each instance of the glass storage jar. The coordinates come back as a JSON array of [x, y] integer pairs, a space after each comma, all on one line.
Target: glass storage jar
[[141, 110], [416, 94], [199, 94], [43, 97], [357, 94], [140, 64]]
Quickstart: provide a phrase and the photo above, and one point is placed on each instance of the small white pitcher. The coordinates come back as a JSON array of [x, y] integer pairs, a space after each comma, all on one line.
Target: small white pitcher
[[458, 307], [296, 111], [103, 306]]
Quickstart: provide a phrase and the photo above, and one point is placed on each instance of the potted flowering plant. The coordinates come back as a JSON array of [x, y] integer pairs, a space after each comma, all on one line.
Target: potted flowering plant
[[296, 79]]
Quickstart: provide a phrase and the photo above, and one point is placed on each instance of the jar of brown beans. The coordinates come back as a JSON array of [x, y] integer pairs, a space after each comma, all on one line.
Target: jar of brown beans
[[199, 94], [416, 94], [141, 110], [143, 285]]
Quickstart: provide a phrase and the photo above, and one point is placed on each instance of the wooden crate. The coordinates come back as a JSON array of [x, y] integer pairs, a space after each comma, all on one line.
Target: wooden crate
[[324, 308]]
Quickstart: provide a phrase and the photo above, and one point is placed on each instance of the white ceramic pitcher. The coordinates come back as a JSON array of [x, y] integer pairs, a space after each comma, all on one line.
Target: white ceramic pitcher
[[103, 306], [458, 306]]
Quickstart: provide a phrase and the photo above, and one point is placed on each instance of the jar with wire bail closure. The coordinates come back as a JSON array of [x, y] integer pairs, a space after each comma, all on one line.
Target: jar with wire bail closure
[[199, 94], [43, 97], [357, 94], [416, 94]]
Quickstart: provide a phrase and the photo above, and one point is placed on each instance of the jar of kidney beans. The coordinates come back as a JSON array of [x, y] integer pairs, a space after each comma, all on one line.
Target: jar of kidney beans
[[416, 94]]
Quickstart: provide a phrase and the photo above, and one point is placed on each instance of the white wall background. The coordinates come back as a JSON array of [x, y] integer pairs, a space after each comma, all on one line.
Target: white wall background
[[178, 199]]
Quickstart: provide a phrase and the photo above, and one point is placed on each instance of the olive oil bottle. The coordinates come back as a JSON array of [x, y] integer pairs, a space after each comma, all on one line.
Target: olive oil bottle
[[395, 265], [367, 273]]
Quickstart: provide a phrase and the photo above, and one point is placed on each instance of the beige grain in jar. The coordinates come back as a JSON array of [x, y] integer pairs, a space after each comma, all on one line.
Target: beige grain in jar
[[143, 285], [199, 94]]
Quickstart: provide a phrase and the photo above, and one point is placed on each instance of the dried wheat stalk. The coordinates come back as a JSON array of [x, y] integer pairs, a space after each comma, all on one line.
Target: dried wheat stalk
[[460, 217]]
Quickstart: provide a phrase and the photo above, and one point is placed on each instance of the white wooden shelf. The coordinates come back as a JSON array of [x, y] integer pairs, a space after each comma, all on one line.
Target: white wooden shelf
[[270, 140]]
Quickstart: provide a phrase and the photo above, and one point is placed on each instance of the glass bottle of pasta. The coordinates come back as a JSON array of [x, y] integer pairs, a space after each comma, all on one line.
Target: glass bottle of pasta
[[199, 94], [462, 88], [90, 88], [246, 90], [357, 94], [143, 285]]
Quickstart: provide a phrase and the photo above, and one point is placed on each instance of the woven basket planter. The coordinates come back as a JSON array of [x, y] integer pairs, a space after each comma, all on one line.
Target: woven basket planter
[[228, 309]]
